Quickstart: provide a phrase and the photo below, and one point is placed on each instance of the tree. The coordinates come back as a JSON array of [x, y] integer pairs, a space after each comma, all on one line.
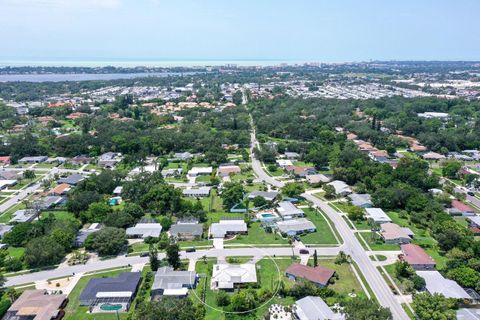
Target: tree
[[259, 201], [434, 307], [96, 212], [292, 189], [232, 194], [107, 241], [355, 213], [315, 258], [153, 256], [223, 299], [164, 241], [329, 191], [169, 308], [450, 168], [244, 300], [43, 251], [403, 269], [29, 174], [119, 219], [173, 255], [63, 237], [364, 309], [465, 276], [79, 201]]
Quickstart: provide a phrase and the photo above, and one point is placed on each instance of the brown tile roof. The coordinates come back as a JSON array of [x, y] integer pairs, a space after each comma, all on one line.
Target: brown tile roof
[[61, 188], [317, 274], [415, 255], [37, 304], [461, 206]]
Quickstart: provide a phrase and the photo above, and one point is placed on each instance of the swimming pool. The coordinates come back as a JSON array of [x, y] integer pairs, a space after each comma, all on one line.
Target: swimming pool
[[267, 215]]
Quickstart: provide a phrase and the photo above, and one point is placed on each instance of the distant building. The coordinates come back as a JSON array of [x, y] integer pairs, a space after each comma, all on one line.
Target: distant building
[[267, 195], [437, 115], [314, 308], [415, 256], [32, 160], [118, 290], [361, 200], [60, 190], [118, 191], [227, 276], [171, 172], [37, 305], [224, 171], [319, 275], [81, 159], [200, 171], [433, 156], [317, 178], [182, 156], [169, 282], [283, 163], [72, 179], [197, 192]]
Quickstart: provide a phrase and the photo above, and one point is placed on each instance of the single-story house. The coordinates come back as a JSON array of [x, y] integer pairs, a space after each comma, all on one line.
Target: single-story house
[[144, 230], [288, 210], [60, 189], [362, 200], [462, 208], [182, 156], [377, 215], [317, 178], [433, 156], [200, 171], [72, 179], [120, 290], [4, 229], [291, 155], [228, 227], [172, 172], [294, 227], [341, 188], [301, 171], [468, 314], [393, 233], [9, 175], [416, 257], [32, 160], [436, 283], [5, 160], [81, 159], [226, 276], [225, 171], [49, 202], [108, 160], [23, 215], [474, 224], [319, 275], [37, 305], [313, 307], [186, 230], [118, 191], [168, 282], [84, 233], [7, 183], [196, 192], [267, 195], [283, 163]]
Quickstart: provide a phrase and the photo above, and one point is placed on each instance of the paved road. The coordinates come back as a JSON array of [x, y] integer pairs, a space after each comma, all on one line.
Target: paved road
[[18, 197], [351, 244], [124, 261]]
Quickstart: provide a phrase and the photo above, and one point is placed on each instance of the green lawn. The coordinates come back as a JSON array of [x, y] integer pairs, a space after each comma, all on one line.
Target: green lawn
[[139, 247], [323, 235], [347, 281], [275, 173], [376, 245], [303, 164], [203, 178], [16, 252], [59, 215], [76, 312], [257, 235], [7, 215]]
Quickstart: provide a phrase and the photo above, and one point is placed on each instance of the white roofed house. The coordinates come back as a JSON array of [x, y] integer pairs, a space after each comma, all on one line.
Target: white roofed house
[[200, 171], [227, 227], [283, 163], [144, 230], [393, 233], [294, 227], [227, 276], [436, 283], [168, 282], [377, 215], [341, 188], [361, 200], [288, 210], [314, 308], [196, 192], [291, 155]]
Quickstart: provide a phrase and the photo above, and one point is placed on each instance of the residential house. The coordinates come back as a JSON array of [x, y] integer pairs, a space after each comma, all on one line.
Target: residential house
[[81, 159], [341, 188], [144, 230], [32, 160], [314, 308], [227, 227], [393, 233], [24, 215], [415, 256], [460, 208], [197, 192], [108, 160], [60, 190], [7, 183], [227, 276], [436, 283], [288, 210], [377, 215], [319, 275], [267, 195], [468, 314], [171, 172], [284, 163], [101, 291], [200, 171], [118, 191], [168, 282], [4, 160], [361, 200], [84, 233], [291, 155], [294, 227], [10, 175], [182, 156], [49, 202], [4, 229], [72, 179], [186, 230], [225, 171], [37, 305], [433, 156], [474, 224], [317, 178], [378, 156], [300, 171]]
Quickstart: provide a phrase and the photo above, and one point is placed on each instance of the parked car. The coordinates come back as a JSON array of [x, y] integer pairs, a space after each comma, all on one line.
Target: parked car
[[190, 250], [304, 251]]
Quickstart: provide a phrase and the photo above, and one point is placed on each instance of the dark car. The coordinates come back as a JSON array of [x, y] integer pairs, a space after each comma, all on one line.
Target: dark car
[[190, 250], [470, 193], [144, 254], [304, 251]]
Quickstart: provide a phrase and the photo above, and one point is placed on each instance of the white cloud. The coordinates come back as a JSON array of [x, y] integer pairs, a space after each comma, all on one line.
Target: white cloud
[[63, 4]]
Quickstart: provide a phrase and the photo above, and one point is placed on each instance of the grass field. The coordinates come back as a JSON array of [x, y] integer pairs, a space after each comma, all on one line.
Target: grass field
[[76, 312], [257, 235], [323, 235]]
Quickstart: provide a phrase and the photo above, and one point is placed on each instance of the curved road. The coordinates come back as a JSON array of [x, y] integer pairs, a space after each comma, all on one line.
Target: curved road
[[351, 244]]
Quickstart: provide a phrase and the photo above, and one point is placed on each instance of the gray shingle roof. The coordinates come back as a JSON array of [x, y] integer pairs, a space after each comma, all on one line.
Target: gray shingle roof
[[196, 229], [167, 278], [125, 282]]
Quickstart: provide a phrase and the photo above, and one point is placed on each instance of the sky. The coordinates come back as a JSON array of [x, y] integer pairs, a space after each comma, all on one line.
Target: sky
[[289, 30]]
